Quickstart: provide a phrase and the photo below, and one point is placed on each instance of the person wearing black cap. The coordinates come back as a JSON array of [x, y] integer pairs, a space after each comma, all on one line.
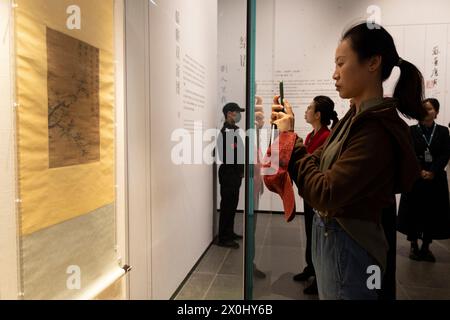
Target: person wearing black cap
[[231, 154]]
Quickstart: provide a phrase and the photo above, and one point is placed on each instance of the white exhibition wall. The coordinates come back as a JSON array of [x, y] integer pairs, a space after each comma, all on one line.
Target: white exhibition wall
[[171, 54], [8, 229], [296, 42], [232, 34], [183, 50]]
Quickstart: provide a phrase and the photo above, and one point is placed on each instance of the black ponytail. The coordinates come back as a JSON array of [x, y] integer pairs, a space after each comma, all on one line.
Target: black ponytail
[[376, 41], [409, 91], [325, 106], [335, 119]]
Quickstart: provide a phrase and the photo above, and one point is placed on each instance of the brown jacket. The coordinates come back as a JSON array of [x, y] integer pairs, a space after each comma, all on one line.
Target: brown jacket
[[376, 161]]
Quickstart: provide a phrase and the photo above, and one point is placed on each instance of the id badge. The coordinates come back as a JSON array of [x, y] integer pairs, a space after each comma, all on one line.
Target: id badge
[[428, 156]]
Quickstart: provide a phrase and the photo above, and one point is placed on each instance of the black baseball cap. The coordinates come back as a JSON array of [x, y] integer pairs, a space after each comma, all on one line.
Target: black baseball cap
[[232, 107]]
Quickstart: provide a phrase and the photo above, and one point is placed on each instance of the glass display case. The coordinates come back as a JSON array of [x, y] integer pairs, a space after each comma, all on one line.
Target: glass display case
[[64, 68]]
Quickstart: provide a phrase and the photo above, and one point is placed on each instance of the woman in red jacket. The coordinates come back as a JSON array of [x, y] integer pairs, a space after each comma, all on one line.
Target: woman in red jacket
[[319, 115]]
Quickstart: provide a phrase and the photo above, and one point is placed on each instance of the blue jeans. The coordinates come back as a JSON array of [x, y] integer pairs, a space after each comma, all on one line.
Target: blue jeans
[[340, 263]]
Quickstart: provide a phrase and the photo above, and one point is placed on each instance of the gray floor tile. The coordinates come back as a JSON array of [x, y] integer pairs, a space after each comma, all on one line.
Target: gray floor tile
[[281, 287], [422, 274], [280, 260], [278, 221], [401, 293], [213, 260], [263, 219], [196, 287], [259, 251], [284, 237], [262, 226], [418, 293], [260, 236], [226, 287], [444, 244], [234, 262], [280, 254]]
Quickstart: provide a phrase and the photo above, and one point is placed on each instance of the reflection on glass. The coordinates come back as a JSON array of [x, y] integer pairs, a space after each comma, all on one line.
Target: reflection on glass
[[296, 43], [230, 148]]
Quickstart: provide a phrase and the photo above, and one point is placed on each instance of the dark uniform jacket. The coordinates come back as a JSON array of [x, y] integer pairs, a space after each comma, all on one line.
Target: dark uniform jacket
[[426, 207], [231, 154]]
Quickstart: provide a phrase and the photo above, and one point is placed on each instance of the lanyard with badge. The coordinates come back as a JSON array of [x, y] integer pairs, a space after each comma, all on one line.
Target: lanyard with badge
[[428, 156]]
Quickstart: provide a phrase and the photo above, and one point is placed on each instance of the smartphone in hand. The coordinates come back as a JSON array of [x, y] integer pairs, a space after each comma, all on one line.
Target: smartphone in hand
[[281, 101], [282, 94]]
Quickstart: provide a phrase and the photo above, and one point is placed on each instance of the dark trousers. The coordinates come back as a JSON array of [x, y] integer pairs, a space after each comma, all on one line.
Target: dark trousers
[[414, 236], [309, 216], [230, 183], [389, 223]]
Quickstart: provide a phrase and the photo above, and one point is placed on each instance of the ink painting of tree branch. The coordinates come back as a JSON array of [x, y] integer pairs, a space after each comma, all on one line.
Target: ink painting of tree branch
[[73, 101]]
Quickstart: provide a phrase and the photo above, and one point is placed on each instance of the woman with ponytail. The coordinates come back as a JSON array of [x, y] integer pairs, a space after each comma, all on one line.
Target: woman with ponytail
[[366, 160], [319, 114]]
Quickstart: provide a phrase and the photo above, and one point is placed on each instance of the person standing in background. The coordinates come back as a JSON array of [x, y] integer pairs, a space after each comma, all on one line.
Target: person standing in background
[[231, 153], [319, 115], [424, 212]]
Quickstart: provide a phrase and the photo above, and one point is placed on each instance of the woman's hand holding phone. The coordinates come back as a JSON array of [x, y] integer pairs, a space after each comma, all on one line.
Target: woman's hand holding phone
[[259, 113], [285, 121]]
